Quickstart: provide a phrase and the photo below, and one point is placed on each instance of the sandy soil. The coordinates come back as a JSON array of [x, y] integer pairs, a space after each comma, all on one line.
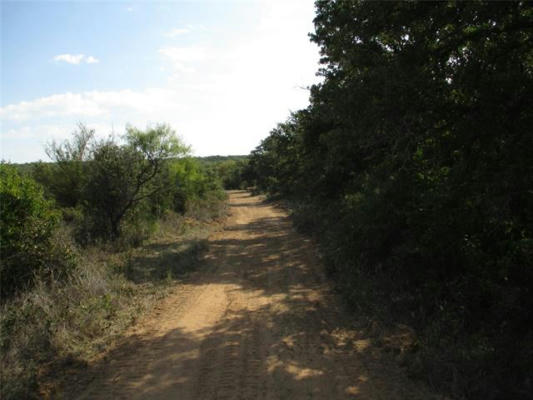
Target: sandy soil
[[258, 321]]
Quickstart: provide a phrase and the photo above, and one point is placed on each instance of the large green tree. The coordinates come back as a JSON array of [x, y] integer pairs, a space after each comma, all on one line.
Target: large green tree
[[415, 154]]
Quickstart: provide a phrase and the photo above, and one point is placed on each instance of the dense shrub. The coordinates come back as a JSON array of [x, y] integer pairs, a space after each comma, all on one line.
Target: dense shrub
[[189, 181], [414, 158], [231, 174], [27, 223], [106, 190]]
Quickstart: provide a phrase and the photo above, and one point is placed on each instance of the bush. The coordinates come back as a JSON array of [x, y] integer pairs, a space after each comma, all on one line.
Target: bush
[[413, 161], [61, 325], [127, 183], [114, 191], [231, 173], [27, 223], [193, 185]]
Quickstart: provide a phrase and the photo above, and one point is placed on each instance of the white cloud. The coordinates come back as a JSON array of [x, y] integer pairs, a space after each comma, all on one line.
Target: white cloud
[[177, 32], [75, 59], [91, 104], [185, 30], [69, 58], [223, 95], [92, 60], [182, 57]]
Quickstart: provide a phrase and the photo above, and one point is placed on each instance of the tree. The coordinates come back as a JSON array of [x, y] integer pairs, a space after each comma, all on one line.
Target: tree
[[64, 180], [415, 157], [275, 164], [121, 177]]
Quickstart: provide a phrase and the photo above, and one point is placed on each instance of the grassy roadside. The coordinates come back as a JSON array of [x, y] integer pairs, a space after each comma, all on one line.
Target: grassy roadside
[[57, 328]]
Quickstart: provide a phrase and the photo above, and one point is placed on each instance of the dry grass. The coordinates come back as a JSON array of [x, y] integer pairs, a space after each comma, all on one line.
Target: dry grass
[[58, 327]]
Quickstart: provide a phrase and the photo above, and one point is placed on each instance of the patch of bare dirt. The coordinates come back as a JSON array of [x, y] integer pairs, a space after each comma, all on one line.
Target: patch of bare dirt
[[259, 321]]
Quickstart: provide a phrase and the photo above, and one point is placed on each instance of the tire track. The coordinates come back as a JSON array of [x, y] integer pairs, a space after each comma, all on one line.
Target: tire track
[[259, 322]]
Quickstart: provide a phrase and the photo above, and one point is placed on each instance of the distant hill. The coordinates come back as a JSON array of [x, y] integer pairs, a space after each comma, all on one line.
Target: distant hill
[[26, 168], [217, 159]]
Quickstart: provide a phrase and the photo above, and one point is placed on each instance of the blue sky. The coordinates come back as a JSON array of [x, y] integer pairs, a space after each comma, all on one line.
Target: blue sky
[[221, 73]]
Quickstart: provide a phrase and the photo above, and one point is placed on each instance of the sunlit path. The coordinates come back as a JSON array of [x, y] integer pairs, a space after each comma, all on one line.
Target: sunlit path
[[259, 321]]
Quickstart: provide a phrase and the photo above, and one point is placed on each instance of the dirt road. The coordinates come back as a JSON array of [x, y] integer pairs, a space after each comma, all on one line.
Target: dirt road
[[259, 321]]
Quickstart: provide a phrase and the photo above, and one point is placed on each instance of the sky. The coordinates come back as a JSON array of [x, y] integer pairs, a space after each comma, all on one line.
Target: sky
[[221, 73]]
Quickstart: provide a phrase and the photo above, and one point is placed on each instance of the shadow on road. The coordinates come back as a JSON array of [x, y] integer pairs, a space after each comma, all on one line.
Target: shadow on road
[[296, 342]]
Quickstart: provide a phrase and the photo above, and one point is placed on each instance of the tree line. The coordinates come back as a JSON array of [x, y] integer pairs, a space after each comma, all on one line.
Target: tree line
[[107, 191], [413, 166]]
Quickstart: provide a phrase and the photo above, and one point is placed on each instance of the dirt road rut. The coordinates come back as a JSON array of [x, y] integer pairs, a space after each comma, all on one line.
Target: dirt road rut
[[258, 321]]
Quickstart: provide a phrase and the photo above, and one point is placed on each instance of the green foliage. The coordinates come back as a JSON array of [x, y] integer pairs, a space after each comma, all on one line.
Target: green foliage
[[111, 189], [64, 180], [414, 159], [60, 307], [122, 180], [190, 182], [61, 317], [27, 222], [214, 160], [274, 165], [231, 173]]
